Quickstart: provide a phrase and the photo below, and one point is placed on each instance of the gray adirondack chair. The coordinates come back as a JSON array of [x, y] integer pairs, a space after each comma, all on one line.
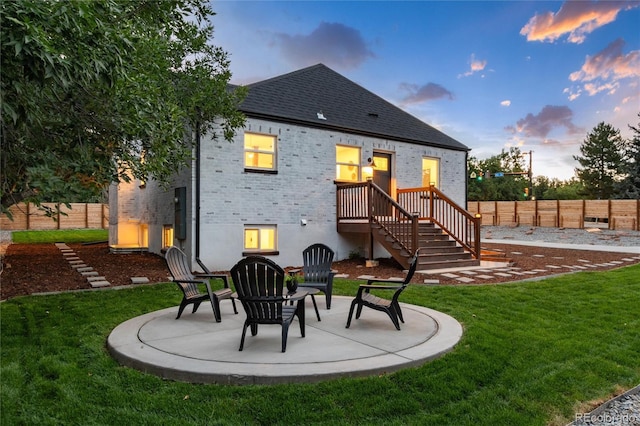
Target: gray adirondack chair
[[259, 283], [391, 307], [187, 281], [317, 260]]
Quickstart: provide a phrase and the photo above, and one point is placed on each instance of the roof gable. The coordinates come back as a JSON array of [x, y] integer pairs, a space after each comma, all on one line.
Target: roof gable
[[300, 96]]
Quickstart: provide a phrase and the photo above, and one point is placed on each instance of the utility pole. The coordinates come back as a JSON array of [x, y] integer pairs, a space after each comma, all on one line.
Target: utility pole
[[530, 173]]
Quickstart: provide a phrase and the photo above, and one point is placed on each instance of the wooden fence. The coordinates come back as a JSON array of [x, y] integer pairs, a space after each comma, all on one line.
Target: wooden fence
[[612, 214], [80, 215]]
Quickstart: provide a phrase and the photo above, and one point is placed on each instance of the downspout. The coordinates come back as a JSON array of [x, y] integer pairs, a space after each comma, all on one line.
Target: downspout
[[197, 207]]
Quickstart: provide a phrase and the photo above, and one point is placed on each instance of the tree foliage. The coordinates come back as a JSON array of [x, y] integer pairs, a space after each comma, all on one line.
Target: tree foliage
[[486, 187], [629, 186], [601, 160], [556, 189], [104, 90], [610, 169]]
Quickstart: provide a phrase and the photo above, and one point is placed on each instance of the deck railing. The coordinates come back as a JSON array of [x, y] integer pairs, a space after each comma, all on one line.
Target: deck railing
[[366, 201], [432, 205]]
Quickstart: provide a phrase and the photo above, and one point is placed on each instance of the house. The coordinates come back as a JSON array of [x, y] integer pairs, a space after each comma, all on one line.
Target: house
[[314, 145]]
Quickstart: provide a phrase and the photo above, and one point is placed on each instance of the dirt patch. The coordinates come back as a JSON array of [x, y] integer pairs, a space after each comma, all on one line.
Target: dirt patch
[[38, 268]]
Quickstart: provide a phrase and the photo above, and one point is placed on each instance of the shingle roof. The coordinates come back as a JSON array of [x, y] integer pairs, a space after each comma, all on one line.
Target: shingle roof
[[299, 96]]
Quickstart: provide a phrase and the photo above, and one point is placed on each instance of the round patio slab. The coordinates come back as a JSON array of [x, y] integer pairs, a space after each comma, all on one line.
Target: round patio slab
[[197, 349]]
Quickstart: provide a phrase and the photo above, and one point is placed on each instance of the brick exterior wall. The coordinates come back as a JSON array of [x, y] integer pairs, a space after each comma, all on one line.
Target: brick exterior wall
[[302, 189]]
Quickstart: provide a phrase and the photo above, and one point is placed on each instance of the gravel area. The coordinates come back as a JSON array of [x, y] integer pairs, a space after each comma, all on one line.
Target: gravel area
[[623, 410], [586, 236]]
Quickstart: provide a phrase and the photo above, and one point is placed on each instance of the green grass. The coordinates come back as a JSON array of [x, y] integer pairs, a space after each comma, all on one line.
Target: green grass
[[60, 236], [530, 354]]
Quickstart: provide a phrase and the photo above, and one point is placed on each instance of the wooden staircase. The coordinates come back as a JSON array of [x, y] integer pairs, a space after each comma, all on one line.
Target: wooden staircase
[[437, 249], [422, 218]]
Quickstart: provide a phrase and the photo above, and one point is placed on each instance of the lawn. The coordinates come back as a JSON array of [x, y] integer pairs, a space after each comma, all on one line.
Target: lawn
[[60, 236], [531, 354]]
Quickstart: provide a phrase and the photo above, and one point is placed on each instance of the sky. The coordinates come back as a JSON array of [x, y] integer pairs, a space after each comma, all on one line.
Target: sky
[[537, 75]]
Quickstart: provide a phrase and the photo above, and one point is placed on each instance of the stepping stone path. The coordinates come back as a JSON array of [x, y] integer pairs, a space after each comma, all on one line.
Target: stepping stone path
[[92, 276], [478, 275], [482, 274]]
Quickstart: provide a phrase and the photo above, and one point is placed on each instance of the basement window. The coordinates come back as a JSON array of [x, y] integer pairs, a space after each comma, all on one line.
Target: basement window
[[167, 236], [262, 239]]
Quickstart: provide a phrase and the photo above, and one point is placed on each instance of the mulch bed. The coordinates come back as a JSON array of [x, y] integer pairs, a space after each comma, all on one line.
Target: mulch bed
[[40, 268]]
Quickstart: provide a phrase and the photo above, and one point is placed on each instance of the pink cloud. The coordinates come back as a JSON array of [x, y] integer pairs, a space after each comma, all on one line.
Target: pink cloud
[[545, 121], [476, 65], [576, 19], [609, 63]]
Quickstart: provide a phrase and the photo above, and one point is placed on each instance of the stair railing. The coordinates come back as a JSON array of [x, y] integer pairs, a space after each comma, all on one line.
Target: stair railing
[[367, 201], [432, 205], [398, 223]]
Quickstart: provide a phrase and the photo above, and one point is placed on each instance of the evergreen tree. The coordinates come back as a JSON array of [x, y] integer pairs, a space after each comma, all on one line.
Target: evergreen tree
[[602, 159], [629, 187]]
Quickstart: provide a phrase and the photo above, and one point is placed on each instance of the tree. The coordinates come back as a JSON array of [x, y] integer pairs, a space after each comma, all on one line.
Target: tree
[[557, 189], [629, 186], [506, 188], [102, 91], [602, 156]]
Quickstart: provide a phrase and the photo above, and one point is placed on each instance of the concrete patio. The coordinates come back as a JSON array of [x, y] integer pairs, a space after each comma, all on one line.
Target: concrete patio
[[197, 349]]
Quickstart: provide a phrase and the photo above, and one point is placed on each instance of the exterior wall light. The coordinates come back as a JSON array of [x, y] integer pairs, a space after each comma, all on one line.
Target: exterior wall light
[[367, 171]]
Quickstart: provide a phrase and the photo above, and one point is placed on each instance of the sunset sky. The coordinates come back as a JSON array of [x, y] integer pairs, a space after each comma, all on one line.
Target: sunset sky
[[533, 74]]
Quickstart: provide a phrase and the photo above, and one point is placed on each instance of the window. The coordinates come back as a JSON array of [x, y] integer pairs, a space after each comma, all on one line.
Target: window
[[431, 172], [259, 152], [347, 163], [260, 239], [167, 236]]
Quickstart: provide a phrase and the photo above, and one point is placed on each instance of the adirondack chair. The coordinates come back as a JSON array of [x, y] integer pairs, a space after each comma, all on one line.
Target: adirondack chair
[[365, 297], [316, 271], [259, 283], [187, 281]]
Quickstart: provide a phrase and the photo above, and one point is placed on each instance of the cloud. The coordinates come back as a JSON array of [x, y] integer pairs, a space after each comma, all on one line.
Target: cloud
[[610, 63], [505, 103], [475, 66], [573, 93], [543, 123], [576, 19], [332, 44], [428, 92], [604, 71], [553, 143]]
